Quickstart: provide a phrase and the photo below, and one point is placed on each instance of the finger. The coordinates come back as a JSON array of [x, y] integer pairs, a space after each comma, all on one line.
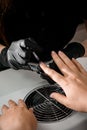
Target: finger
[[60, 98], [80, 67], [31, 110], [32, 44], [4, 108], [21, 103], [58, 78], [22, 55], [60, 63], [19, 58], [22, 43], [21, 52], [66, 61], [12, 103]]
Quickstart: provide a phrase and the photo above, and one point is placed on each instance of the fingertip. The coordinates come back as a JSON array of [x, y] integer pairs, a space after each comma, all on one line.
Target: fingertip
[[21, 103], [42, 64], [10, 101], [22, 44], [31, 109], [20, 100], [4, 108], [52, 95], [60, 52], [53, 52]]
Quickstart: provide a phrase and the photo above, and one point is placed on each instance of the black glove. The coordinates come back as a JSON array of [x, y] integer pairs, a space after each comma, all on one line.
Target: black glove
[[72, 50], [18, 54]]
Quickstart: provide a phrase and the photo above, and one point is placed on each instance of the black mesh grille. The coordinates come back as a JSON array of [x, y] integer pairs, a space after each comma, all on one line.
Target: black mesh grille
[[45, 108]]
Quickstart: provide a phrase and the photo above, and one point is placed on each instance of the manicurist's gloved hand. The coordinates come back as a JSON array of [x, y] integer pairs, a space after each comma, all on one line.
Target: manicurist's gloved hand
[[18, 54]]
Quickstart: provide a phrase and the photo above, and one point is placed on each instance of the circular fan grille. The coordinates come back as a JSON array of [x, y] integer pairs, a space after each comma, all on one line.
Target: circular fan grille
[[45, 108]]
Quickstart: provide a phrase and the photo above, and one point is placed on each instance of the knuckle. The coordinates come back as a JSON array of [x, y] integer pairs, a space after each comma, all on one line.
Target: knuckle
[[50, 72], [74, 76]]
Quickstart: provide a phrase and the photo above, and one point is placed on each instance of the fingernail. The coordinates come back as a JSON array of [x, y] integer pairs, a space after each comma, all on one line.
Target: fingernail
[[60, 52], [53, 52], [41, 63], [20, 100], [31, 109], [52, 95]]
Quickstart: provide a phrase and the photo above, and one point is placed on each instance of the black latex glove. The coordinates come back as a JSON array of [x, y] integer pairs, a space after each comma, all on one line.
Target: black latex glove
[[18, 54], [72, 50]]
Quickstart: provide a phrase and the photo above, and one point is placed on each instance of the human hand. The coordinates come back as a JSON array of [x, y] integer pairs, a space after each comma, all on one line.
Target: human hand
[[73, 81], [17, 117], [18, 55], [72, 50]]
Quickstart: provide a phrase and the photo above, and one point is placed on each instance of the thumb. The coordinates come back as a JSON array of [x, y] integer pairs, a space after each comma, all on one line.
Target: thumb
[[59, 97]]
